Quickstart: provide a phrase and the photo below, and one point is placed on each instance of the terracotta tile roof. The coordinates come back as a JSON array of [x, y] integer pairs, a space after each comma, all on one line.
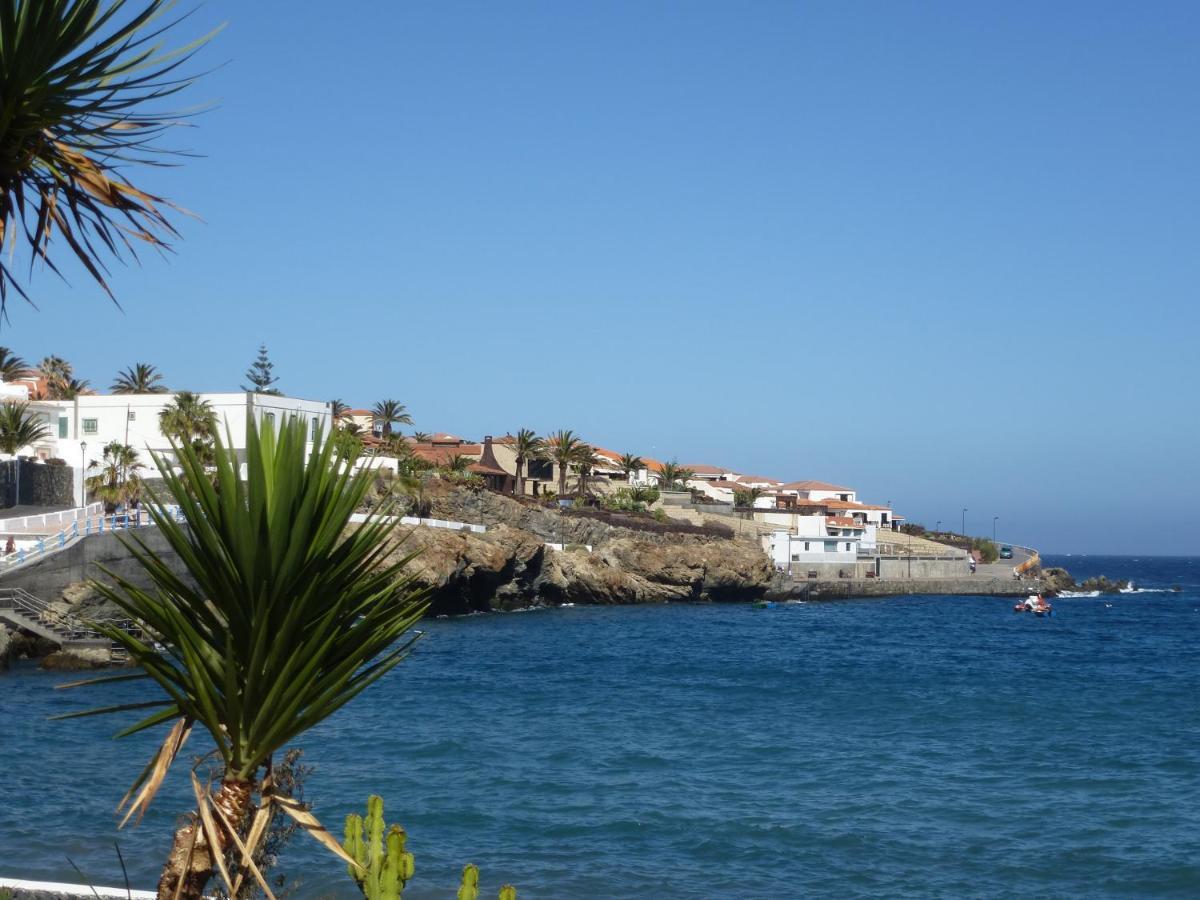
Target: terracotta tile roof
[[758, 479], [481, 469], [442, 438], [439, 456], [700, 469], [358, 413], [841, 522], [813, 486]]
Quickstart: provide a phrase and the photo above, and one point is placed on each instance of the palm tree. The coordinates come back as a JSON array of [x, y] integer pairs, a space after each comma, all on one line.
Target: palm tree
[[563, 448], [422, 437], [457, 465], [117, 481], [72, 388], [140, 378], [18, 427], [674, 476], [630, 465], [79, 80], [391, 412], [287, 613], [746, 497], [12, 366], [57, 373], [585, 460], [189, 419], [337, 409], [528, 446]]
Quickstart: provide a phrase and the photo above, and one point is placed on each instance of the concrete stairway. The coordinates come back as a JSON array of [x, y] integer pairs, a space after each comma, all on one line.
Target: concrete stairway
[[22, 610]]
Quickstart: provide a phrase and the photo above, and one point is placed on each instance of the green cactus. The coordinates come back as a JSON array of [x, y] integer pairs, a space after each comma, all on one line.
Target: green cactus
[[469, 889], [383, 865], [508, 892]]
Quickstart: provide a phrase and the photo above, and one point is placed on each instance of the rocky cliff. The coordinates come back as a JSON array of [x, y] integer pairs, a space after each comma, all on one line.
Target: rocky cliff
[[511, 567]]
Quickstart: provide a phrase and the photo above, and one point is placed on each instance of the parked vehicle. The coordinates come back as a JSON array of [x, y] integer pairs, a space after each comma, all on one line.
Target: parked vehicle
[[1006, 552]]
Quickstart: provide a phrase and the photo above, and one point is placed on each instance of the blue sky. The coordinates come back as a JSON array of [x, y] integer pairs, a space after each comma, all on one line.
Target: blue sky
[[944, 253]]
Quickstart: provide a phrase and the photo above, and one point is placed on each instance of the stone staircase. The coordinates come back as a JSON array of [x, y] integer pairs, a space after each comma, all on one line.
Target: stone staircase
[[21, 609]]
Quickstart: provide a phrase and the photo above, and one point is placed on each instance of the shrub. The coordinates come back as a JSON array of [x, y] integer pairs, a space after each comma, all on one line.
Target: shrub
[[660, 515]]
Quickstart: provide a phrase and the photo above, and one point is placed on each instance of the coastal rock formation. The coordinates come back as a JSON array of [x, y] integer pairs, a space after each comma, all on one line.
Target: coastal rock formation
[[1057, 580], [510, 566], [5, 647]]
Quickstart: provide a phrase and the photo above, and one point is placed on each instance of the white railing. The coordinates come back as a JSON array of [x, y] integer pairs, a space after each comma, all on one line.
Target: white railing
[[50, 520], [97, 524], [428, 523]]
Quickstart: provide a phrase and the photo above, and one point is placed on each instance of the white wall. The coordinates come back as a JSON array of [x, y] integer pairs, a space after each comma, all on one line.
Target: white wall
[[99, 419], [787, 549]]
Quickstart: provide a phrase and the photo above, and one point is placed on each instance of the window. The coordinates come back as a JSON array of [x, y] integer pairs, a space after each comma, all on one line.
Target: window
[[539, 470], [795, 557], [313, 428], [847, 545], [806, 545], [90, 426], [831, 546], [62, 426]]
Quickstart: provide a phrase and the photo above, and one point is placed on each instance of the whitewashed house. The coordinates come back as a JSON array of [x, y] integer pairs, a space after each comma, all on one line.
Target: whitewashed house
[[80, 428]]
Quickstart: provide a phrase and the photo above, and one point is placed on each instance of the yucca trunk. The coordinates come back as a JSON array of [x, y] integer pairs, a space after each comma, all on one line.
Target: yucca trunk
[[192, 862]]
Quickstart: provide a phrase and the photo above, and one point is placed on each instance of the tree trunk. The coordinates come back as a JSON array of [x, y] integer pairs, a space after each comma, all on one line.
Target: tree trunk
[[233, 799], [520, 478]]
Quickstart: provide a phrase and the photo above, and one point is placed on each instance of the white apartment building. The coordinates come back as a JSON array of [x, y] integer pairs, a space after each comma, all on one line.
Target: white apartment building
[[80, 428]]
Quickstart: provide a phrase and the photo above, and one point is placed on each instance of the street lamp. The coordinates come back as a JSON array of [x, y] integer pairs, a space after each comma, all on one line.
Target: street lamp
[[964, 527], [994, 518], [83, 472], [938, 527]]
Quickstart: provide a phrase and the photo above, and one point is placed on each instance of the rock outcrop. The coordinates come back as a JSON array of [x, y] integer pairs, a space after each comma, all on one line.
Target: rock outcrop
[[511, 566]]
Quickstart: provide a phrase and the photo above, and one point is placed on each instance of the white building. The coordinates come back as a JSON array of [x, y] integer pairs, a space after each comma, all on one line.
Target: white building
[[815, 541], [818, 490], [79, 429]]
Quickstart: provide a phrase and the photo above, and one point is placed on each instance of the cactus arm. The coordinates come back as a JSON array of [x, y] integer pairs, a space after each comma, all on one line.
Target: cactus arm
[[508, 892]]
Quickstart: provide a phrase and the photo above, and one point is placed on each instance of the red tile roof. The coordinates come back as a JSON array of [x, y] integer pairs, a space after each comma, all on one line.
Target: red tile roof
[[705, 470], [813, 486], [439, 456], [841, 522], [753, 479]]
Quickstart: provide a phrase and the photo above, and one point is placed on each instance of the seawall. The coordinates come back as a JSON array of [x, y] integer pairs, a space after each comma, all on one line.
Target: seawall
[[47, 577], [849, 588]]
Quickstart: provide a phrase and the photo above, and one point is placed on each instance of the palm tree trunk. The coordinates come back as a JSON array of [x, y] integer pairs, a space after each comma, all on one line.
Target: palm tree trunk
[[191, 860], [520, 478]]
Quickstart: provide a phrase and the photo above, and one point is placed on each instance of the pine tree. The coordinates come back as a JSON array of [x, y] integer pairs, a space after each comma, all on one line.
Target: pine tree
[[259, 374]]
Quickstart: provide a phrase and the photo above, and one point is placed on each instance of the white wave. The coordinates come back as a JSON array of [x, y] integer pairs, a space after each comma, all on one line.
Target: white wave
[[1078, 594]]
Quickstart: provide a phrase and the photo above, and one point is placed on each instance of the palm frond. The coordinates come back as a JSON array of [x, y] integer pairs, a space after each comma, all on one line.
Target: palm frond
[[80, 86]]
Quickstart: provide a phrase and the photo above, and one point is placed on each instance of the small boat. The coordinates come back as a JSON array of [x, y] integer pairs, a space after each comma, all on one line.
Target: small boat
[[763, 604], [1036, 604]]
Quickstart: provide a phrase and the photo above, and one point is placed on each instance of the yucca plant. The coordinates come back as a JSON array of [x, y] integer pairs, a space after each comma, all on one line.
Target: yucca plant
[[79, 83], [287, 613]]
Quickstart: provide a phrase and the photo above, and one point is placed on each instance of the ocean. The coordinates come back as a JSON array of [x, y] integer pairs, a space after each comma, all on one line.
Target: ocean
[[905, 747]]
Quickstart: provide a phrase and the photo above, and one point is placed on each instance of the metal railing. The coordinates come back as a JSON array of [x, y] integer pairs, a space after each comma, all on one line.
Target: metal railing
[[98, 524], [50, 520]]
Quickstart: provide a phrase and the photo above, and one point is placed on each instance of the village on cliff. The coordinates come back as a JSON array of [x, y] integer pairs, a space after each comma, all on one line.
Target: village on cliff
[[98, 442]]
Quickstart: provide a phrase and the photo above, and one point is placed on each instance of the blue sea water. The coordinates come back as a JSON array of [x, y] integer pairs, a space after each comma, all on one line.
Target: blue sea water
[[908, 747]]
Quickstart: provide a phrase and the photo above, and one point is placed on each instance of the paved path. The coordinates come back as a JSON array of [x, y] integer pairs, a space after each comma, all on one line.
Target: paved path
[[1003, 568]]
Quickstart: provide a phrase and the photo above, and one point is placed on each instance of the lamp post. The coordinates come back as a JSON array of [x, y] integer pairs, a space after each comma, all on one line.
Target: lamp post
[[938, 527], [83, 472], [964, 524], [994, 519]]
